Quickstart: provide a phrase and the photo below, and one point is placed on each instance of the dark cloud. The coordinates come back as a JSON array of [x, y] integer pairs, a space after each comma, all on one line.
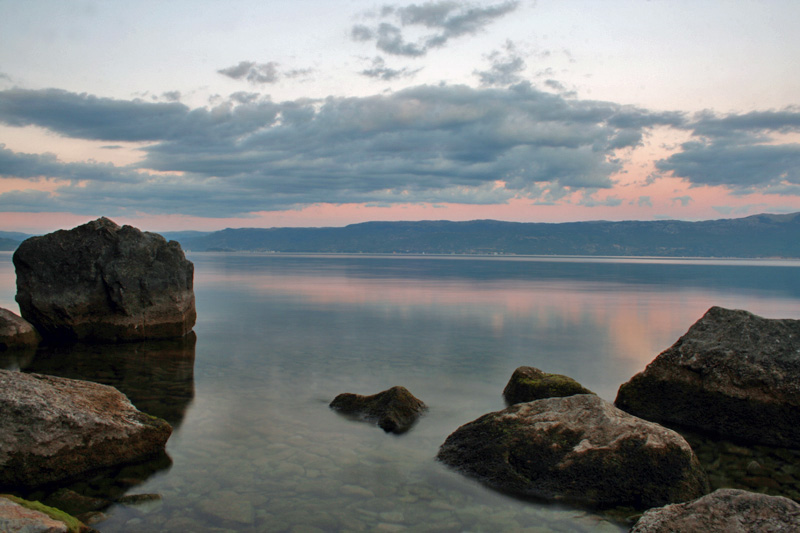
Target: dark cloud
[[740, 152], [445, 19], [172, 96], [89, 117], [379, 70], [257, 73], [505, 67], [433, 144]]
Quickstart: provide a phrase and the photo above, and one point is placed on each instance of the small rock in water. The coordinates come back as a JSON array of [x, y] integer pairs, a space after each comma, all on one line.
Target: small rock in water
[[394, 410], [528, 384], [228, 505]]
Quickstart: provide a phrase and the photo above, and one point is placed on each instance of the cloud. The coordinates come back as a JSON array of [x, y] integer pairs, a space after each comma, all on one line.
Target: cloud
[[434, 144], [379, 70], [444, 19], [741, 152], [505, 67], [683, 200], [644, 201], [256, 73]]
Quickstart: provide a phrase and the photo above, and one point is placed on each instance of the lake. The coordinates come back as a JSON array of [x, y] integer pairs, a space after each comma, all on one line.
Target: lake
[[278, 336]]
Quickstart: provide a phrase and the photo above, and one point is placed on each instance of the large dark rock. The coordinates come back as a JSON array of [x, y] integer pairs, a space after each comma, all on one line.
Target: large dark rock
[[724, 511], [395, 410], [103, 282], [55, 429], [528, 384], [733, 374], [16, 333], [577, 448]]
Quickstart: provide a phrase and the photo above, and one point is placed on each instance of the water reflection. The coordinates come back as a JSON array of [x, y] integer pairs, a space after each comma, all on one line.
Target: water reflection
[[157, 376]]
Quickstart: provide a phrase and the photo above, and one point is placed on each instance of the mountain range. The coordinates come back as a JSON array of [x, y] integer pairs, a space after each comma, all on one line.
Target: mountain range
[[757, 236], [762, 236]]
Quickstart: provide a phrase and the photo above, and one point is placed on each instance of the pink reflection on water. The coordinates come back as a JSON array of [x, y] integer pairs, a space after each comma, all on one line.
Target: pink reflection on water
[[639, 321]]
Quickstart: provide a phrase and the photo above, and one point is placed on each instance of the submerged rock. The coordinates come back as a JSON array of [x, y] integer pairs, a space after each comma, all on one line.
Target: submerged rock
[[578, 448], [103, 282], [395, 410], [733, 374], [724, 511], [15, 332], [528, 384], [54, 429]]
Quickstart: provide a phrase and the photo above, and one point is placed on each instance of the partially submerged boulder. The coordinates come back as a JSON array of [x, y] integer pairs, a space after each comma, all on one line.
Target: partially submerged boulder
[[55, 429], [22, 516], [577, 448], [16, 333], [733, 374], [724, 511], [528, 384], [395, 410], [103, 282]]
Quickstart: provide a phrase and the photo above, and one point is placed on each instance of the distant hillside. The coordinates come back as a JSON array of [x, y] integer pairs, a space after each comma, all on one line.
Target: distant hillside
[[8, 245], [755, 236]]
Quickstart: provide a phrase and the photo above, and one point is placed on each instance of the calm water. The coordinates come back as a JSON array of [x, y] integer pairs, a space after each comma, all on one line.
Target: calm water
[[256, 447]]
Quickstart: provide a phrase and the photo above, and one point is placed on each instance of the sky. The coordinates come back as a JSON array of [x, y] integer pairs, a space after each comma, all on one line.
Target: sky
[[202, 115]]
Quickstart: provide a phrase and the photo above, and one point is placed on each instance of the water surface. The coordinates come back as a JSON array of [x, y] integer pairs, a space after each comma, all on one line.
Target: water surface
[[256, 447]]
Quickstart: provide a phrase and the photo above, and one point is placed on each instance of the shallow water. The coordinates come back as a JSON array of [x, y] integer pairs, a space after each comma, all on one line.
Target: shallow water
[[256, 447]]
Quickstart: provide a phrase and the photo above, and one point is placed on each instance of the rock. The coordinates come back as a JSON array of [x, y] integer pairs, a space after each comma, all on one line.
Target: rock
[[528, 384], [102, 282], [724, 511], [22, 516], [577, 448], [53, 429], [394, 410], [157, 376], [16, 332], [733, 374], [74, 503]]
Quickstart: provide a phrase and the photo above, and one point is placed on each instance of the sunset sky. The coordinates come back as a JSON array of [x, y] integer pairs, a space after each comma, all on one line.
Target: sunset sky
[[206, 114]]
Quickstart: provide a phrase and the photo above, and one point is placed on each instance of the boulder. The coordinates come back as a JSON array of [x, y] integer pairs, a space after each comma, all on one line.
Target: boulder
[[733, 374], [21, 516], [528, 384], [577, 448], [16, 332], [395, 410], [724, 511], [54, 429], [103, 282]]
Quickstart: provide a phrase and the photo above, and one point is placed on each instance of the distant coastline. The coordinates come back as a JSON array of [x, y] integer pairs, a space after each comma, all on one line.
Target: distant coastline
[[763, 236]]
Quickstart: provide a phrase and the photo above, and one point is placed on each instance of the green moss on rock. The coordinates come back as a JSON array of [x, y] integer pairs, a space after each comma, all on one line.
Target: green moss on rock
[[73, 524], [528, 384]]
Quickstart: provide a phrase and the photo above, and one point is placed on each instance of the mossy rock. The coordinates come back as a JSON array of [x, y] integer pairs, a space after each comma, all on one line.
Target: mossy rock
[[73, 524], [528, 384]]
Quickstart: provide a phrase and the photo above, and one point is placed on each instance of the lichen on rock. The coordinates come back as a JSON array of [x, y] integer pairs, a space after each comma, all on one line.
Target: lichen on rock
[[528, 384]]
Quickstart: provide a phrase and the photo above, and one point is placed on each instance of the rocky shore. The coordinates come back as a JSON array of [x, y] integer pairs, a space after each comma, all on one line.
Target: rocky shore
[[98, 282]]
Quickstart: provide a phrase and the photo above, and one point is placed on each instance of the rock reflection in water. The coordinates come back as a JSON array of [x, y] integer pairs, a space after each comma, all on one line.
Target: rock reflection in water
[[157, 376]]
